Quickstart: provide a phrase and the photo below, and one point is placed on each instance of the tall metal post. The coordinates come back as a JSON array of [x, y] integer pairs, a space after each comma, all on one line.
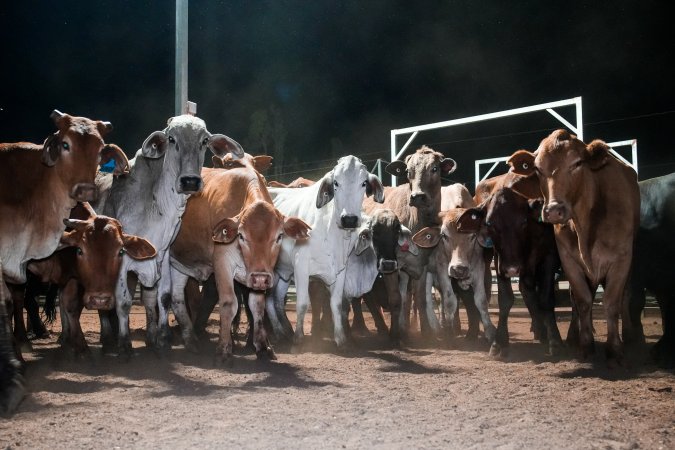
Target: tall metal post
[[181, 57]]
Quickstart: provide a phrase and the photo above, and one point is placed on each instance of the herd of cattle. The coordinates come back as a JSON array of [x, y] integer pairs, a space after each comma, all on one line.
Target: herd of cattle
[[164, 221]]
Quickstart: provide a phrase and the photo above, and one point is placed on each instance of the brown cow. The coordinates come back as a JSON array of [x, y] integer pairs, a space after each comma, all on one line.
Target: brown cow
[[261, 163], [524, 248], [236, 210], [86, 270], [593, 200], [40, 185], [417, 204], [299, 182]]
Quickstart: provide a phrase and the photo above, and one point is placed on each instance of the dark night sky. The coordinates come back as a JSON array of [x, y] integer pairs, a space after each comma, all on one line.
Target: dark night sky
[[341, 74]]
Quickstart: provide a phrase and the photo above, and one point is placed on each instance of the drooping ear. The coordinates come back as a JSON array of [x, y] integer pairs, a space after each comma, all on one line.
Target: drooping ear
[[527, 187], [535, 206], [597, 154], [82, 211], [138, 248], [448, 165], [70, 239], [217, 162], [364, 241], [522, 163], [296, 228], [220, 145], [427, 237], [406, 243], [103, 127], [51, 150], [262, 163], [155, 145], [374, 187], [470, 221], [326, 192], [396, 168], [112, 151], [226, 231], [62, 121]]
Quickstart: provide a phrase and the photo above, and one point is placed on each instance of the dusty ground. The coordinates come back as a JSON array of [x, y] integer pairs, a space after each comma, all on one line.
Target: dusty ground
[[422, 397]]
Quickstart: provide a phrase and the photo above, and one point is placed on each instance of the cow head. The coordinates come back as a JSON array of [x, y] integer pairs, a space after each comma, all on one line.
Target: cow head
[[408, 254], [346, 185], [423, 170], [459, 236], [259, 231], [99, 245], [508, 217], [182, 144], [564, 166], [386, 236], [77, 148], [260, 163]]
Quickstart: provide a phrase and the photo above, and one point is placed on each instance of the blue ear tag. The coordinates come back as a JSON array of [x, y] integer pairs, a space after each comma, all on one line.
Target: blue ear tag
[[488, 242], [108, 167]]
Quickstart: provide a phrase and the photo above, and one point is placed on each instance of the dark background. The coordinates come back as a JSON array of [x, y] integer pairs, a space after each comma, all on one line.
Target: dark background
[[309, 81]]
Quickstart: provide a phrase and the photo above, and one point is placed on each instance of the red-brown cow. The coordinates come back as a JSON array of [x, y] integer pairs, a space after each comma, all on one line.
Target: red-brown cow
[[593, 200], [86, 270], [299, 182], [236, 210], [38, 187]]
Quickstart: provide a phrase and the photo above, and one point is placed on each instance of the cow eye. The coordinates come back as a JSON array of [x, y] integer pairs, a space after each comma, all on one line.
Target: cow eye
[[434, 169], [488, 224], [78, 250], [122, 252], [65, 145], [363, 184], [444, 236], [575, 165], [241, 237], [205, 141], [336, 184], [280, 237], [172, 139]]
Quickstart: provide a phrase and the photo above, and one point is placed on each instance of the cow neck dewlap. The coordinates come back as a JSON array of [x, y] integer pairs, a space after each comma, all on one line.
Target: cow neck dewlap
[[582, 226]]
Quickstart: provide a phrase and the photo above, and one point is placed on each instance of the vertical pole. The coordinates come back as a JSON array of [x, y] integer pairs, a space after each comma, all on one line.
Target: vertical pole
[[393, 155], [379, 169], [181, 57], [580, 120]]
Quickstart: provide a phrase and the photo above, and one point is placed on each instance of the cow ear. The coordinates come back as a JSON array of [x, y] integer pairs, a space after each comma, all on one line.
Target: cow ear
[[262, 163], [226, 231], [470, 221], [427, 237], [448, 165], [527, 187], [522, 163], [365, 240], [374, 187], [296, 228], [51, 150], [62, 121], [103, 127], [70, 239], [396, 168], [220, 145], [112, 151], [597, 154], [326, 191], [82, 211], [406, 243], [138, 248], [217, 162], [75, 224], [155, 145]]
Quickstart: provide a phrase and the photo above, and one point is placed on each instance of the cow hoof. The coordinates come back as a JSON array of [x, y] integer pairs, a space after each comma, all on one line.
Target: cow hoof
[[224, 360], [266, 354], [25, 347], [498, 352], [11, 394], [555, 348], [192, 345]]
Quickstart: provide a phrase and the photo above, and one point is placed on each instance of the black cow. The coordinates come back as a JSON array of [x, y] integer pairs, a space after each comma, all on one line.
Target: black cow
[[653, 262]]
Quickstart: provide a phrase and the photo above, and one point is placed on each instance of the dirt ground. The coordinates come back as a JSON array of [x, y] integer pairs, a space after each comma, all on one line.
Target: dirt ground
[[424, 396]]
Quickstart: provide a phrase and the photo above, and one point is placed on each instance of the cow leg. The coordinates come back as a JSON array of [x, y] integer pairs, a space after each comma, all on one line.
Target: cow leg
[[275, 308], [11, 370], [72, 304], [209, 298], [581, 327], [613, 301], [227, 305], [376, 313], [429, 324], [193, 298], [663, 351], [123, 303], [256, 303], [336, 306], [163, 287], [481, 301], [472, 313], [528, 290], [391, 281], [359, 323], [636, 306], [178, 283], [317, 296], [33, 309], [505, 299], [450, 306], [404, 317], [546, 306], [302, 303], [18, 292]]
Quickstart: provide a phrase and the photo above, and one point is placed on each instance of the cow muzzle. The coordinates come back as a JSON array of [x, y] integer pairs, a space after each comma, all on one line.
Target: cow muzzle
[[556, 212], [511, 271], [418, 199], [349, 221], [260, 281], [99, 301], [387, 265], [189, 184], [459, 271], [84, 192]]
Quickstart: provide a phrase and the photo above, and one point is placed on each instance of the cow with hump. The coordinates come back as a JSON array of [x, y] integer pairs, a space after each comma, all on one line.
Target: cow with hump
[[332, 207], [86, 268], [525, 248], [232, 230], [39, 184], [149, 202], [593, 201], [417, 204]]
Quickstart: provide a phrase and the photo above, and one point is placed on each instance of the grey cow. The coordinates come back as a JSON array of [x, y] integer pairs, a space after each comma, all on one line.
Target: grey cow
[[149, 202]]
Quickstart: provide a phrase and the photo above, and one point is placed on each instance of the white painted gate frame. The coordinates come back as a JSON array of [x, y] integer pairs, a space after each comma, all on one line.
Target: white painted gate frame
[[578, 130]]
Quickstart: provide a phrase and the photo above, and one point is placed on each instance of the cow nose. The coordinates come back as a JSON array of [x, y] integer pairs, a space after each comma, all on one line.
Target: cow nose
[[417, 198], [99, 300], [83, 192], [387, 265], [190, 184], [260, 281], [459, 271], [512, 271], [349, 221], [556, 213]]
